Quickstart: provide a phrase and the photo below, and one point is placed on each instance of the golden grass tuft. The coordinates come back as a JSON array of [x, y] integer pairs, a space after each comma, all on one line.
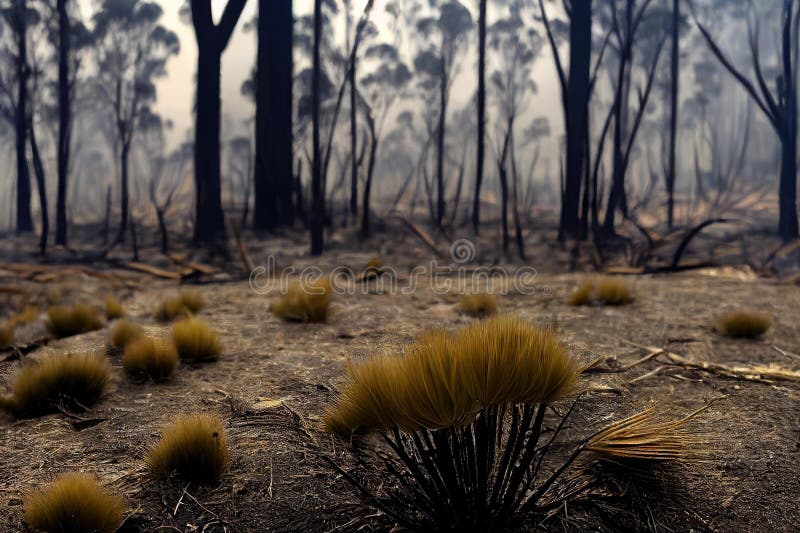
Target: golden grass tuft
[[304, 302], [444, 380], [605, 290], [72, 381], [642, 437], [743, 323], [192, 447], [74, 502], [67, 321], [184, 304], [114, 308], [123, 332], [26, 316], [149, 358], [478, 305], [6, 334], [195, 340]]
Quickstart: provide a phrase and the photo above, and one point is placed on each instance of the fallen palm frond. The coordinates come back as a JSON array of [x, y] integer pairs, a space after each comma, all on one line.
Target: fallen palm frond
[[74, 502], [642, 437]]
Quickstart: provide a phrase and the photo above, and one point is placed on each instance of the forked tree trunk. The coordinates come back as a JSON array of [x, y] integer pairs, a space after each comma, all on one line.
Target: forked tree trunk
[[209, 219]]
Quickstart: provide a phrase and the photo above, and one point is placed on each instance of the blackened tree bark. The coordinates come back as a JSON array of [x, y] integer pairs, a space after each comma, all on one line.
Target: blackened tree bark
[[273, 166], [64, 121], [373, 151], [353, 124], [780, 109], [38, 169], [24, 221], [577, 101], [212, 39], [440, 136], [476, 205], [317, 214], [673, 119]]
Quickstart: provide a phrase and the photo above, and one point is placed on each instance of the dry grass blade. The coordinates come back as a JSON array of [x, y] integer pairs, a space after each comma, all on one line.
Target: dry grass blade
[[605, 290], [148, 358]]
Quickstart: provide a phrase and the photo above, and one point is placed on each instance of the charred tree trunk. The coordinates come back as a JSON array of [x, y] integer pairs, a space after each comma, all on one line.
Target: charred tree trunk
[[162, 229], [787, 198], [440, 135], [353, 140], [24, 221], [673, 119], [317, 214], [576, 111], [38, 169], [64, 121], [373, 152], [124, 191], [212, 39], [476, 205], [274, 181]]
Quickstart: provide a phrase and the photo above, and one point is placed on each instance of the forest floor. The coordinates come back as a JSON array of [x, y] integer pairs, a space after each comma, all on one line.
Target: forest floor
[[276, 379]]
